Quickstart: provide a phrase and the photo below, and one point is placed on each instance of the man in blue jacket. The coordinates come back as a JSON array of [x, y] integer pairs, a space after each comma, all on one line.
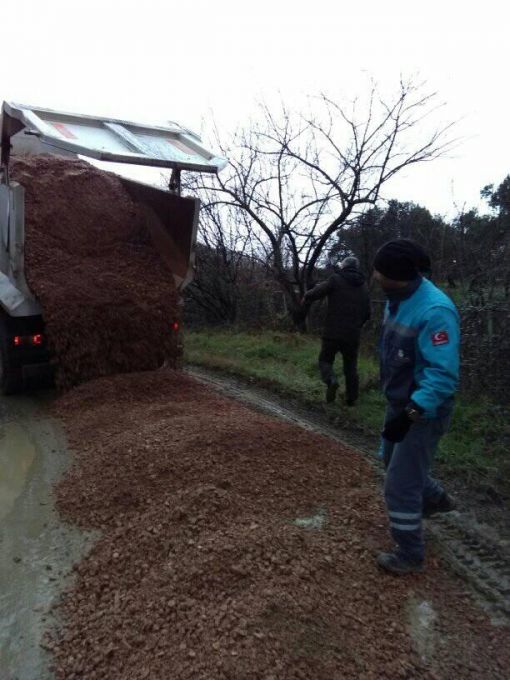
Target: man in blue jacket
[[419, 375]]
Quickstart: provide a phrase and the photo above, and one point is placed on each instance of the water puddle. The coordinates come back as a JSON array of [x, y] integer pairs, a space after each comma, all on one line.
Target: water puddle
[[17, 453], [36, 549]]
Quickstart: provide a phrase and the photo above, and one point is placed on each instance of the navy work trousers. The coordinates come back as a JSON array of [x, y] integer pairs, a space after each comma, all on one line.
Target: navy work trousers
[[408, 483]]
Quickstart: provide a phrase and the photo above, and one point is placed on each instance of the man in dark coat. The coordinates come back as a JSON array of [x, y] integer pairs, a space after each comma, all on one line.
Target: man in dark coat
[[348, 309]]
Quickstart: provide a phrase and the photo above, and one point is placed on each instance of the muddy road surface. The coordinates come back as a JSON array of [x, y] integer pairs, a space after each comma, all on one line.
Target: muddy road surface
[[232, 540], [36, 549]]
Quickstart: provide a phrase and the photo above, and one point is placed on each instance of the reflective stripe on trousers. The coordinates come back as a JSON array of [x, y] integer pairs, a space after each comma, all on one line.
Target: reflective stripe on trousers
[[408, 482]]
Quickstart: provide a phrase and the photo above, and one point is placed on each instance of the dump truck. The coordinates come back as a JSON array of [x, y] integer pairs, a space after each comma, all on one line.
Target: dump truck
[[171, 218]]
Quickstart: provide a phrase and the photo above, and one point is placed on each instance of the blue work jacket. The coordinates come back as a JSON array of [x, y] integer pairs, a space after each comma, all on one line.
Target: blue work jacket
[[419, 349]]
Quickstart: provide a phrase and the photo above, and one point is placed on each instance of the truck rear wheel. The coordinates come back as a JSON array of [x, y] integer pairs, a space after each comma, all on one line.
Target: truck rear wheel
[[11, 379]]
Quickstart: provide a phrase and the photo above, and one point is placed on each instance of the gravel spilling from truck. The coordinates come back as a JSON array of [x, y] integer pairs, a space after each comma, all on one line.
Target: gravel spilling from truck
[[235, 546], [108, 300]]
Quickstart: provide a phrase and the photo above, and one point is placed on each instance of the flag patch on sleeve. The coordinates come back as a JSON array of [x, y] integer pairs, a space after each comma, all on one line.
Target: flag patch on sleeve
[[440, 338]]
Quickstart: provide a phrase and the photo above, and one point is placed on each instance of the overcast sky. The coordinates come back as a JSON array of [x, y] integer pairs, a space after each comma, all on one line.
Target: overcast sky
[[160, 60]]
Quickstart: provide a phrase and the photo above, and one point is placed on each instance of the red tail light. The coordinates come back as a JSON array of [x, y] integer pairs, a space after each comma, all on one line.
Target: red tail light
[[19, 340], [175, 326]]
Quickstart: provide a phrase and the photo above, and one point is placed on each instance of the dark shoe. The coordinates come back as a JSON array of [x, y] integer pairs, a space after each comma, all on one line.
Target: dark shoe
[[331, 391], [350, 402], [395, 564], [442, 505]]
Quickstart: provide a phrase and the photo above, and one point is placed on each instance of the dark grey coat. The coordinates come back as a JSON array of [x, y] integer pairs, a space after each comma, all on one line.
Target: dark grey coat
[[348, 303]]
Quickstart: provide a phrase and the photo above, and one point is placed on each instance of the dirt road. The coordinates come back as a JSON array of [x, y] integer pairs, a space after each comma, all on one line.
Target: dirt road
[[233, 545], [475, 541], [36, 548]]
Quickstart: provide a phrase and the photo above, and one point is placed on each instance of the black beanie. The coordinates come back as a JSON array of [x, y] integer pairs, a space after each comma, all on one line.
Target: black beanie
[[402, 260]]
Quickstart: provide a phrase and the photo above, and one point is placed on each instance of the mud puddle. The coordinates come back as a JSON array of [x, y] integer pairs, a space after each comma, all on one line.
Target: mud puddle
[[36, 549], [17, 453]]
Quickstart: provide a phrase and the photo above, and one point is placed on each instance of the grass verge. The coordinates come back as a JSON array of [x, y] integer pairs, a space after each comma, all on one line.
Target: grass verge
[[286, 363]]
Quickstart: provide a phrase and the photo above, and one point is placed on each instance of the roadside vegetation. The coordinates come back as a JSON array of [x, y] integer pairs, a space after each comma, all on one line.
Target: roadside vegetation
[[286, 363]]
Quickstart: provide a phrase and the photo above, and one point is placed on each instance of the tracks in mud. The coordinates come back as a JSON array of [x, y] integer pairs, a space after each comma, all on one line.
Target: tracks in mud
[[472, 549], [483, 561]]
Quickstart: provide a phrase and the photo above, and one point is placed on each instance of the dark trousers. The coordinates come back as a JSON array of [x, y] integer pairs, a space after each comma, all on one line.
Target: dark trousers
[[408, 482], [349, 351]]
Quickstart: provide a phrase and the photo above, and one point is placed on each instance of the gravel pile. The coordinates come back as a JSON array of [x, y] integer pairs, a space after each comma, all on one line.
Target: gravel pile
[[108, 301], [234, 546]]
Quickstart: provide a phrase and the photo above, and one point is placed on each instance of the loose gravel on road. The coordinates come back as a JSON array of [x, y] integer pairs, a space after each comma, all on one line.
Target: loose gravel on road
[[236, 546]]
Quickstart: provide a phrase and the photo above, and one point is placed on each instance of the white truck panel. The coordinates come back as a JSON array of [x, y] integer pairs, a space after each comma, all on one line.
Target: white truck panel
[[109, 139], [15, 295]]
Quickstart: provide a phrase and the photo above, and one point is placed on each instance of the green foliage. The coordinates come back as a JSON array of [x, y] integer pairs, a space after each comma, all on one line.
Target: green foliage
[[286, 362], [398, 220], [499, 199]]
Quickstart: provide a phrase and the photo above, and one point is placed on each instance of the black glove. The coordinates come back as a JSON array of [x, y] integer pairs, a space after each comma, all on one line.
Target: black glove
[[396, 429]]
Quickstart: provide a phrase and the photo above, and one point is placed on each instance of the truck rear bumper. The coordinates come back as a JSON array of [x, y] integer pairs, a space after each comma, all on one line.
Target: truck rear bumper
[[42, 371], [24, 353]]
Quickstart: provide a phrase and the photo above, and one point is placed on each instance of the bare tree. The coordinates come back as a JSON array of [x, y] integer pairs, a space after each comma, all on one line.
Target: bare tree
[[224, 258], [298, 178]]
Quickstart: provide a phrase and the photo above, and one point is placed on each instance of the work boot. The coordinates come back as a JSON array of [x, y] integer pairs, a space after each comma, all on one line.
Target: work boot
[[443, 504], [396, 564], [331, 391]]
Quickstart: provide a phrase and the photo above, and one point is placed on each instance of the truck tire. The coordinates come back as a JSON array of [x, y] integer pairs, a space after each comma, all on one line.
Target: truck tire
[[11, 378]]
